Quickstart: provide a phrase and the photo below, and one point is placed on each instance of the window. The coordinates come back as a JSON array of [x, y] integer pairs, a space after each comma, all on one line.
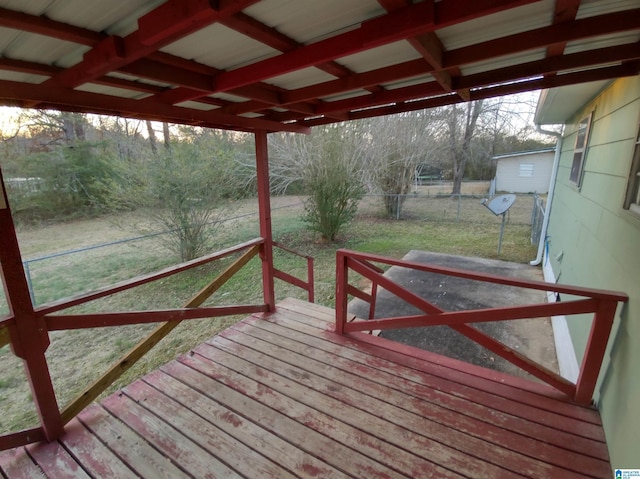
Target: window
[[526, 170], [632, 200], [580, 151]]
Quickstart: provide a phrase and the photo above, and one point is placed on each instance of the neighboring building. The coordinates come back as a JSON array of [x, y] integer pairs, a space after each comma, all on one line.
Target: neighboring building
[[524, 171], [593, 239]]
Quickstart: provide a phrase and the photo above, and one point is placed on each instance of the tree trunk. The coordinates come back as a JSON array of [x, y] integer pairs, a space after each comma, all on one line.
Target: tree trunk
[[152, 138], [473, 112], [165, 132]]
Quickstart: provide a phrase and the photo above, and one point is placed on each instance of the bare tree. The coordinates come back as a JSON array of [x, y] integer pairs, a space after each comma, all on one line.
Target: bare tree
[[152, 138], [396, 146]]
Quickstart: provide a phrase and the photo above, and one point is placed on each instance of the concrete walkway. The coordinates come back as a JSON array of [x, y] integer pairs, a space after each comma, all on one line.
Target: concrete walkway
[[531, 337]]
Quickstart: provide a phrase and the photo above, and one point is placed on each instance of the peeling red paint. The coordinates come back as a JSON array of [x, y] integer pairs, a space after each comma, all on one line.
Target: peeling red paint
[[311, 469], [231, 419]]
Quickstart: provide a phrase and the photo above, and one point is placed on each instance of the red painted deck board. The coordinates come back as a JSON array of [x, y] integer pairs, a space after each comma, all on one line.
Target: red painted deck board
[[285, 397]]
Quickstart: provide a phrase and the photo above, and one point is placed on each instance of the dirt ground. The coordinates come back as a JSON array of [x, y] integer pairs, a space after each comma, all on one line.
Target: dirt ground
[[531, 337]]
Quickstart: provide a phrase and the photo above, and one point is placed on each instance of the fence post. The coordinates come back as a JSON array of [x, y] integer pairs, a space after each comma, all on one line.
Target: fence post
[[27, 273], [397, 207]]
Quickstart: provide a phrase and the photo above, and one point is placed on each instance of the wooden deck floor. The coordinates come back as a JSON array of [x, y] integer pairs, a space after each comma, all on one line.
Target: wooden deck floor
[[285, 397]]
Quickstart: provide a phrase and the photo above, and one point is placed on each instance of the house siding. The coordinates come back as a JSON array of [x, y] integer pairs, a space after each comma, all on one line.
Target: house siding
[[508, 177], [595, 242]]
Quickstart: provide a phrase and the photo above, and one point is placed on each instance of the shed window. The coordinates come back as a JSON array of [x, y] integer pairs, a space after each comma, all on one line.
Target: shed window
[[580, 151], [526, 170], [632, 200]]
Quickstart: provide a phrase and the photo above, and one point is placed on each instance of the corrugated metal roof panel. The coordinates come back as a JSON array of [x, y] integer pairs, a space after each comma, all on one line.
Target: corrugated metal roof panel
[[112, 91], [602, 42], [124, 76], [21, 77], [38, 48], [345, 95], [220, 47], [508, 22], [380, 57], [306, 20], [301, 78], [590, 8], [196, 105], [504, 61], [410, 82]]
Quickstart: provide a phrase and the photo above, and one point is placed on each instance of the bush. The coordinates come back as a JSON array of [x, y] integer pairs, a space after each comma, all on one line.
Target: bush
[[187, 191], [334, 194]]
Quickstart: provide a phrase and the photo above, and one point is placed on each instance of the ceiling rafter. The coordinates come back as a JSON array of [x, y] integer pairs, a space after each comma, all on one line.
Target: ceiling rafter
[[398, 25], [63, 97], [627, 69], [195, 78], [565, 12], [429, 46], [269, 36], [512, 74], [168, 22], [544, 37], [454, 58], [438, 76]]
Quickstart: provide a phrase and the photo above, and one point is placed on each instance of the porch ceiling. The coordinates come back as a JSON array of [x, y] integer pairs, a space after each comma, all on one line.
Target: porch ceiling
[[285, 65]]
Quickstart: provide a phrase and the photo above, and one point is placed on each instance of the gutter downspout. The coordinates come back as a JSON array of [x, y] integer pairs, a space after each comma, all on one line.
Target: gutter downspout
[[552, 183]]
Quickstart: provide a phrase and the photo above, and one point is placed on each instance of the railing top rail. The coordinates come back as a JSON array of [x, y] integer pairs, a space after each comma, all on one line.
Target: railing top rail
[[65, 303], [491, 278]]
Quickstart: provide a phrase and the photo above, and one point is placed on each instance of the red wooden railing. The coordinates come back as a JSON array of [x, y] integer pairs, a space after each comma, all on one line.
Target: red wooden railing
[[42, 319], [599, 302], [307, 285]]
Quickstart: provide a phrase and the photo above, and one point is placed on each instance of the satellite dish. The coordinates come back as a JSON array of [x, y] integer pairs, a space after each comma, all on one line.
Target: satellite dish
[[500, 204]]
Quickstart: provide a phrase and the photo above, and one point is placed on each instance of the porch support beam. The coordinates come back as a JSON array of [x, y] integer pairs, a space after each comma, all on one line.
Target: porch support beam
[[29, 336], [264, 209], [398, 25]]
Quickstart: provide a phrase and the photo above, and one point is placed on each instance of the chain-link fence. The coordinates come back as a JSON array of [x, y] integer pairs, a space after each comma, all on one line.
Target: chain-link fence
[[468, 208]]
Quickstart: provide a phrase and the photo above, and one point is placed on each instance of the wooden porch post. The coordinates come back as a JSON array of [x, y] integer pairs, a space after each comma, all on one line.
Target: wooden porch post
[[264, 209], [29, 335]]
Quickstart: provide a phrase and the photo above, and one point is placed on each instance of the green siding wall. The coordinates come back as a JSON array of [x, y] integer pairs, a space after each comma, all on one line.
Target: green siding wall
[[600, 246]]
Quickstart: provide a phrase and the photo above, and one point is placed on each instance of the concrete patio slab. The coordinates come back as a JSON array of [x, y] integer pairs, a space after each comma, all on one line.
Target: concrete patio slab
[[531, 337]]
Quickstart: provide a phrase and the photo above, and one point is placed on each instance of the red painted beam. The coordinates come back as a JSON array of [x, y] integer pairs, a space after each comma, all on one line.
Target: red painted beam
[[29, 337], [50, 28], [264, 210], [380, 98], [606, 73], [98, 103], [454, 58], [167, 23], [565, 11], [398, 25], [394, 26], [249, 26], [543, 37], [550, 65]]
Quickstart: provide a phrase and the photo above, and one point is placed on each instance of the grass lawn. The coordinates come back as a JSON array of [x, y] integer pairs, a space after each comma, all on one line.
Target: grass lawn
[[78, 357]]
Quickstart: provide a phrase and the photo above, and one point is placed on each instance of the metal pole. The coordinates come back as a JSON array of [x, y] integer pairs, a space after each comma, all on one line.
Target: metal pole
[[501, 232], [27, 273]]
